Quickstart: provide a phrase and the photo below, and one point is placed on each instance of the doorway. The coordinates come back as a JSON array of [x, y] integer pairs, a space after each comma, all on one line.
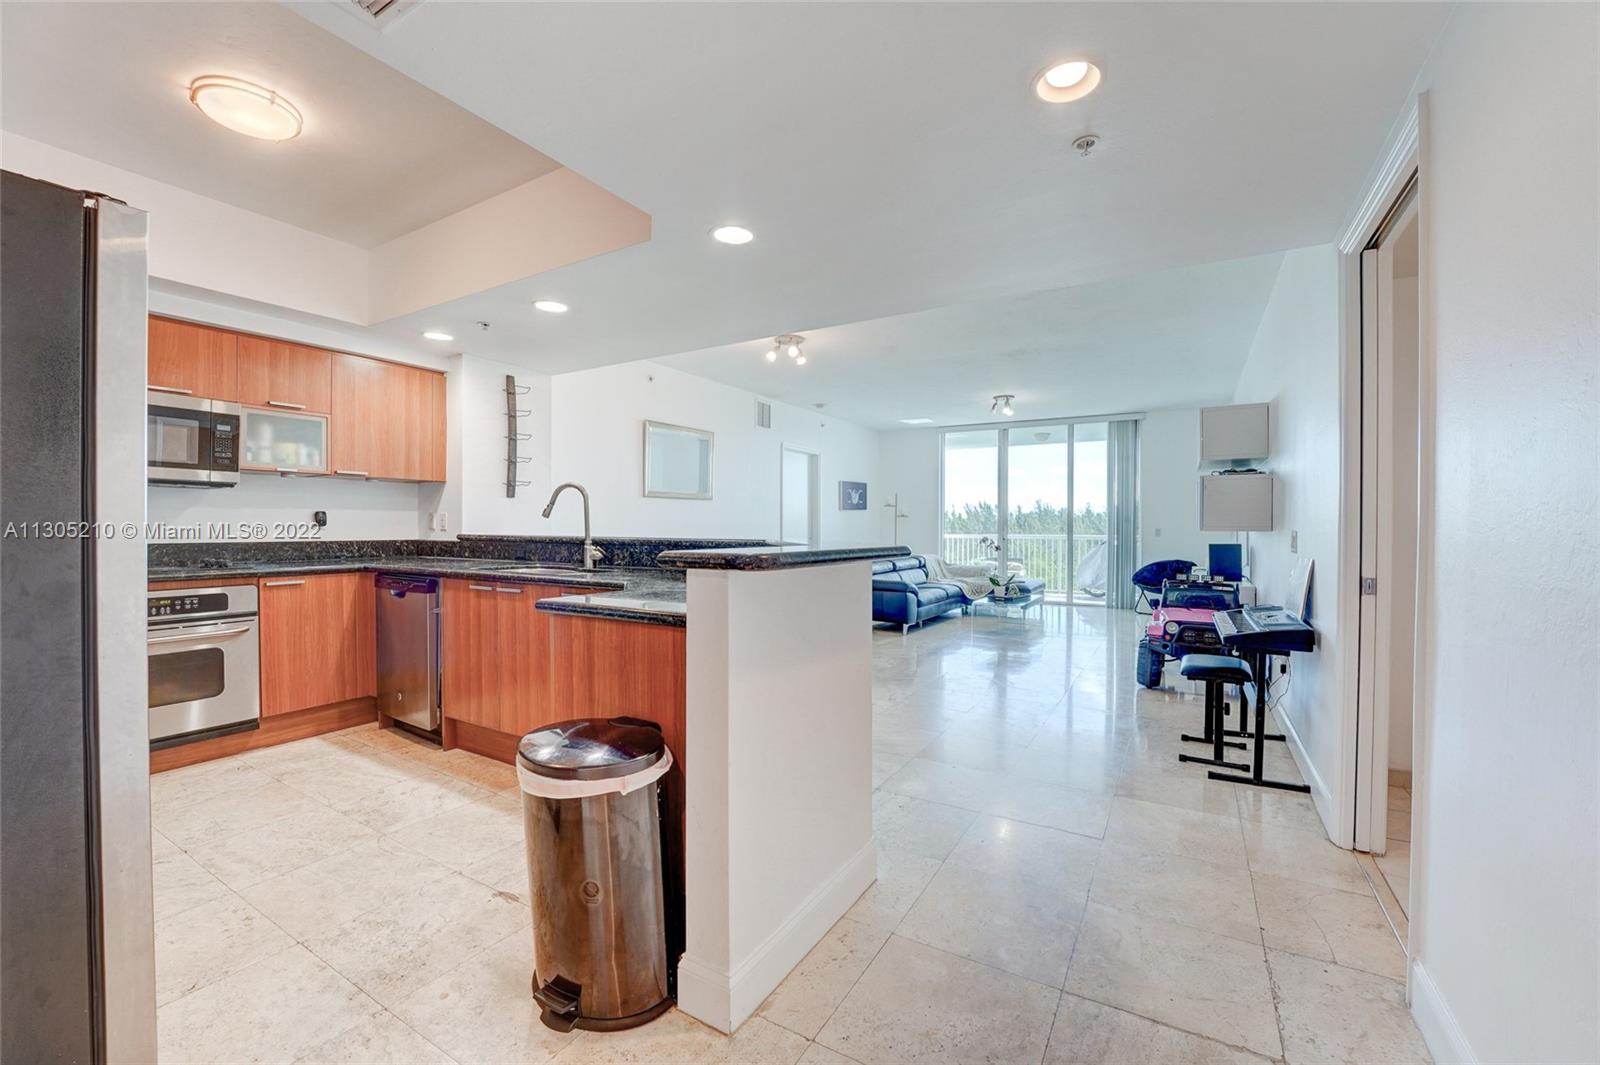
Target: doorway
[[1390, 515], [800, 495]]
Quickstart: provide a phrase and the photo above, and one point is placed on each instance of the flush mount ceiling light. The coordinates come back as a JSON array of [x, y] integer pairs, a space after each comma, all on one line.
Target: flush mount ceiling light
[[788, 344], [246, 107], [1002, 404], [550, 306], [732, 235], [434, 334], [1065, 82], [916, 421]]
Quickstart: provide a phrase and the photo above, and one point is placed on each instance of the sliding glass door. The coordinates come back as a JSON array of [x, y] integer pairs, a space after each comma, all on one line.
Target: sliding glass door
[[1051, 501]]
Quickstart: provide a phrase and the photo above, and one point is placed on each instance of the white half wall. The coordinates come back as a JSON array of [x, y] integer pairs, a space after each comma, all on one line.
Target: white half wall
[[1294, 365], [1506, 927], [597, 418]]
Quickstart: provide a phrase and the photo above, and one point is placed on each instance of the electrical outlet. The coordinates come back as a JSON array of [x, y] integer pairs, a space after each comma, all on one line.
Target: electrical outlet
[[1158, 532], [444, 521], [1294, 540]]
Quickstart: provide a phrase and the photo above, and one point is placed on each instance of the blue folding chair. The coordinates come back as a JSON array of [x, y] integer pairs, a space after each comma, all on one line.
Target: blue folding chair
[[1150, 577]]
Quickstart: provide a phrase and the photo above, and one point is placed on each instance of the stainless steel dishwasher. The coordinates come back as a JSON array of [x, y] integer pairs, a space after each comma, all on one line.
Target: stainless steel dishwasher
[[408, 650]]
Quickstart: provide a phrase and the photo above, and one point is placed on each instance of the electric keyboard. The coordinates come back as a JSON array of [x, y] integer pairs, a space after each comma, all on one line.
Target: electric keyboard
[[1268, 630]]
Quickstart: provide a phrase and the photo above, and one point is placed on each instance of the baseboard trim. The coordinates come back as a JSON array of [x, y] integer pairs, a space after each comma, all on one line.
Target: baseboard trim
[[1321, 797], [274, 729], [1437, 1023], [724, 1000]]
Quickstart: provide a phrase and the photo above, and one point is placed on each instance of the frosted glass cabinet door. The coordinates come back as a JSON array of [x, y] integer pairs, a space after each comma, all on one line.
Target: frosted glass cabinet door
[[284, 441]]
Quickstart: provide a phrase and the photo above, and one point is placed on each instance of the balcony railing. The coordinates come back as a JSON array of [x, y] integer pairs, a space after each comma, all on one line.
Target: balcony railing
[[1054, 556]]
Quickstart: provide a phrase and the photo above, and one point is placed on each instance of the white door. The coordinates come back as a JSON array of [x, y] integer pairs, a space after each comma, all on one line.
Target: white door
[[799, 484]]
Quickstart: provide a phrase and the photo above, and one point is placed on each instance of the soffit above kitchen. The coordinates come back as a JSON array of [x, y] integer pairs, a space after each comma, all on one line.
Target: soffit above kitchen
[[423, 191]]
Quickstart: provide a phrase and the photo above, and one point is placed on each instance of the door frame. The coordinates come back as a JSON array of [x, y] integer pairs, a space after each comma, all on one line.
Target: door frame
[[1405, 161], [813, 490]]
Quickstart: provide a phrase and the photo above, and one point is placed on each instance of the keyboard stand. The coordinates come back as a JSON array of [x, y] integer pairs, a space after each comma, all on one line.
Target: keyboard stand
[[1259, 662], [1261, 665]]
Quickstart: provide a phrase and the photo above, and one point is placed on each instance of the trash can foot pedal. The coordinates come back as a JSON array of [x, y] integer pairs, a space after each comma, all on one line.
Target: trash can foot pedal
[[559, 998]]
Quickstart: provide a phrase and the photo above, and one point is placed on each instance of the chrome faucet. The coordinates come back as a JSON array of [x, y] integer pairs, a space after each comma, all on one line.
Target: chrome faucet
[[591, 553]]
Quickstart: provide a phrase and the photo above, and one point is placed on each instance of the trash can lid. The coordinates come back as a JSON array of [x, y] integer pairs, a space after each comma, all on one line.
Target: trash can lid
[[593, 748]]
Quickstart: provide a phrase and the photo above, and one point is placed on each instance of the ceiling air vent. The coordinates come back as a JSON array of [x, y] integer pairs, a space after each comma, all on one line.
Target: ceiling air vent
[[763, 414], [381, 13]]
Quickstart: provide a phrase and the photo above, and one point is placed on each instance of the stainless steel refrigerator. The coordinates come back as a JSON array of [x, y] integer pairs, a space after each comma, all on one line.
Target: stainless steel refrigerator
[[76, 926]]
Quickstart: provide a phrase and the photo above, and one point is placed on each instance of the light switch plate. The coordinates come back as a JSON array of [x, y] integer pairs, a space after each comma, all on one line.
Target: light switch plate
[[1294, 539], [444, 521]]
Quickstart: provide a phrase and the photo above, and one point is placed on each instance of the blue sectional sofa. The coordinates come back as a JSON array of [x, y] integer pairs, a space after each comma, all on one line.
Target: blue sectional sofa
[[902, 592]]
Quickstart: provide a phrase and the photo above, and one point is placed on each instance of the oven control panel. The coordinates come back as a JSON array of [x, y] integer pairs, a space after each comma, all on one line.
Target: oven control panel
[[185, 604]]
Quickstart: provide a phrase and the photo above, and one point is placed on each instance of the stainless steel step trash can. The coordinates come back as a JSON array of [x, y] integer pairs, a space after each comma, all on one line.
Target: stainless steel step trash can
[[592, 823]]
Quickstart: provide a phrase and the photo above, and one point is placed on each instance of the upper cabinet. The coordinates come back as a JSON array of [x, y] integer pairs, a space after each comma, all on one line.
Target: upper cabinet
[[388, 420], [276, 373], [192, 360]]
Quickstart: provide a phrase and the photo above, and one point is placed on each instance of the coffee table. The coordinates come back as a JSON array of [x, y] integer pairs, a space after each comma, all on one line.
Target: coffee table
[[1011, 607]]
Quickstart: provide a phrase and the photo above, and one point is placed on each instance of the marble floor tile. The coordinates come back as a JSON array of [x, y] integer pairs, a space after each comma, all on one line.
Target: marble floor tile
[[273, 1011], [1140, 825], [505, 870], [418, 796], [900, 740], [885, 766], [1087, 1033], [421, 933], [1067, 809], [918, 1004], [807, 997], [233, 814], [1017, 924], [1396, 860], [1328, 924], [315, 899], [185, 786], [482, 1009], [1210, 896], [181, 883], [930, 829], [381, 1039], [201, 945], [1064, 861], [817, 1054], [902, 876], [476, 769], [951, 785], [677, 1039], [1197, 981], [1178, 784], [249, 857], [1304, 856], [1336, 1015], [465, 835], [1282, 809]]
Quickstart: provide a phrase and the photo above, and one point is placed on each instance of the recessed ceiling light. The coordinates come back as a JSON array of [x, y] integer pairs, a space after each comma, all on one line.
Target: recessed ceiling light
[[1064, 82], [550, 306], [434, 334], [246, 107], [916, 421], [732, 235]]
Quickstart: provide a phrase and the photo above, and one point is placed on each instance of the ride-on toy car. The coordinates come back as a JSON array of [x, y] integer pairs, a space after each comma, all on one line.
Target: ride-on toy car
[[1182, 625]]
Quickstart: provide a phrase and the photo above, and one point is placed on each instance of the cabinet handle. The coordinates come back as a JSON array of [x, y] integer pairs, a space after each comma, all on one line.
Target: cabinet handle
[[286, 406], [479, 588], [168, 388], [352, 473], [280, 584], [286, 470], [510, 591]]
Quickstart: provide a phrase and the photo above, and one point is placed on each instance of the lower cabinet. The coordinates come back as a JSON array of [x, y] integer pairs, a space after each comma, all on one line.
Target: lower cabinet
[[496, 654], [318, 640]]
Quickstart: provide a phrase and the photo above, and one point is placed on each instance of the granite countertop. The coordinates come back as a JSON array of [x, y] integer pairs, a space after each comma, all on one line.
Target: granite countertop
[[630, 594], [774, 556]]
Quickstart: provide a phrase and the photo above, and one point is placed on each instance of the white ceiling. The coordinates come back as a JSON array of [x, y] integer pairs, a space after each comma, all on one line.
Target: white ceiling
[[379, 157], [1169, 338], [891, 157]]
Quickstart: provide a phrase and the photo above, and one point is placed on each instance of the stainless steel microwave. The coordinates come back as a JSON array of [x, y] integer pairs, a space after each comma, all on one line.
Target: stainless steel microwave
[[191, 442]]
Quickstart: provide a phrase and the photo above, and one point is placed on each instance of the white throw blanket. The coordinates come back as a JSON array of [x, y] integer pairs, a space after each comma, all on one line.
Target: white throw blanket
[[974, 580]]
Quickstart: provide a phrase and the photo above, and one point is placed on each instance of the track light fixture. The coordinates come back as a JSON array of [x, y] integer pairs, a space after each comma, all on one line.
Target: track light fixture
[[1002, 404]]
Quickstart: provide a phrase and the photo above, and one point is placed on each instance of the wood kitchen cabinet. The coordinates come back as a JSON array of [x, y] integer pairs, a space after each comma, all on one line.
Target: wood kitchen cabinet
[[285, 376], [496, 654], [318, 640], [388, 420], [192, 360]]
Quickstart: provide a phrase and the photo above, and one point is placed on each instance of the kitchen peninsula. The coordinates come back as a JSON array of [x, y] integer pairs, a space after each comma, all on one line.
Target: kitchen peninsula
[[764, 699]]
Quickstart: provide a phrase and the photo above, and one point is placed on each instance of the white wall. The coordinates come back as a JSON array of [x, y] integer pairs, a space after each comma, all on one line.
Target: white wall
[[1169, 488], [1506, 929], [597, 421], [357, 510], [475, 495], [1294, 365], [910, 466]]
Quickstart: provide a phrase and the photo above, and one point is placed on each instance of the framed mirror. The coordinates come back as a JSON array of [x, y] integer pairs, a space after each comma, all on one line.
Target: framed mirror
[[677, 461]]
